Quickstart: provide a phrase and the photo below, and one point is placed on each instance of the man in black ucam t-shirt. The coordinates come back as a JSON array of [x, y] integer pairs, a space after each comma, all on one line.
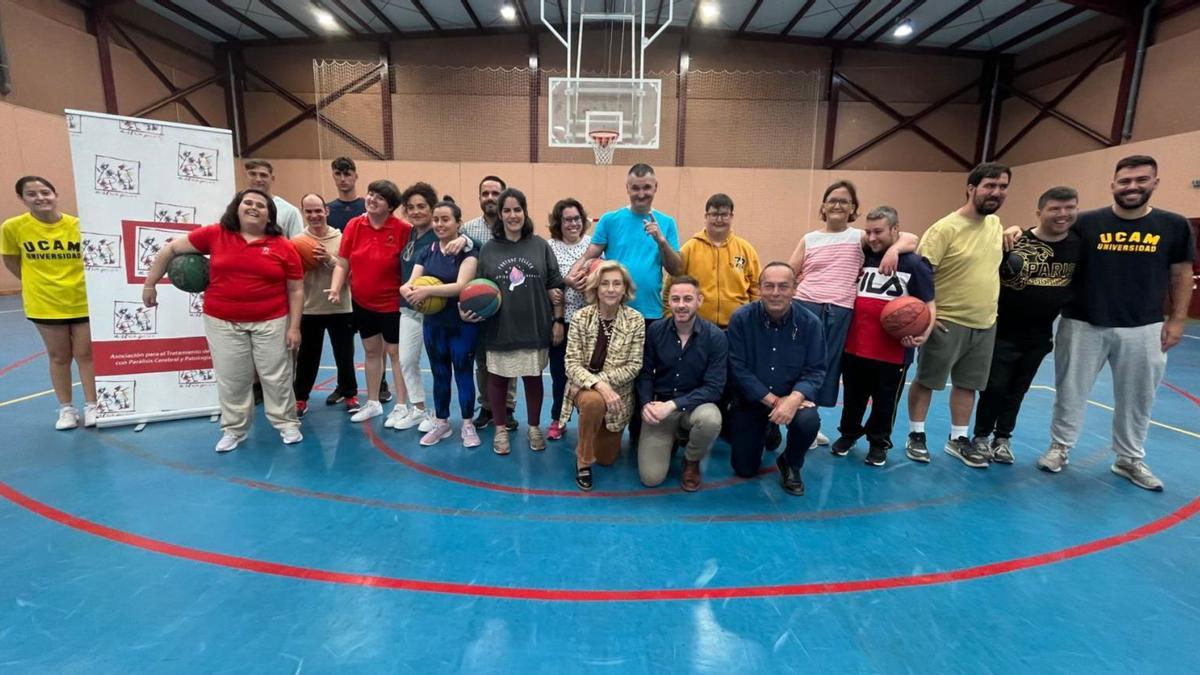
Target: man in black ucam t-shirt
[[1133, 258], [1035, 284]]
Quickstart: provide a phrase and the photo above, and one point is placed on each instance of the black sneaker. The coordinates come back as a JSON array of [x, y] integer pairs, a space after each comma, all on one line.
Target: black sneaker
[[335, 398], [789, 478], [484, 419], [511, 425], [915, 449], [774, 437], [877, 455], [583, 478], [842, 446], [966, 451], [385, 394], [258, 393]]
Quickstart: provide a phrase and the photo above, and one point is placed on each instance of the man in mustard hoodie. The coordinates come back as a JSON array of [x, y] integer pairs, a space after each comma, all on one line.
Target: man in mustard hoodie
[[726, 265]]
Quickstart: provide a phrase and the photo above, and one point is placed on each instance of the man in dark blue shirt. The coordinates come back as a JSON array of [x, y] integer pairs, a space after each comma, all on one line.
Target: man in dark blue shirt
[[348, 204], [777, 364], [683, 374]]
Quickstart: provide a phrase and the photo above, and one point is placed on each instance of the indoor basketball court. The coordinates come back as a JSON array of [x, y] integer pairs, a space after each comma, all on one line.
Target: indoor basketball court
[[133, 547]]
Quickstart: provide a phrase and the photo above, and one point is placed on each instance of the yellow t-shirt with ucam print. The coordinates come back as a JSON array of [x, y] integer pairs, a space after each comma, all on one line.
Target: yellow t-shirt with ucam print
[[965, 255], [51, 265]]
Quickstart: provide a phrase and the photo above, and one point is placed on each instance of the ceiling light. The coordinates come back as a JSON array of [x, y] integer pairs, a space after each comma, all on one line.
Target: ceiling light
[[508, 12], [903, 30], [325, 19], [709, 11]]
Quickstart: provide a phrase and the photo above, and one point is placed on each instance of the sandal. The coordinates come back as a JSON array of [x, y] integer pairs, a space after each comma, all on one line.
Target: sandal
[[583, 478], [500, 441]]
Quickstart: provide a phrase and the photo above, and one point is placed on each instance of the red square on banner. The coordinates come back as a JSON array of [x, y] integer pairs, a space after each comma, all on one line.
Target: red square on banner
[[159, 355], [143, 240]]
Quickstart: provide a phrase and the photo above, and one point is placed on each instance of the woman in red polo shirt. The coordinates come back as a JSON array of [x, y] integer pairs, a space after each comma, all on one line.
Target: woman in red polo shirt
[[371, 248], [252, 307]]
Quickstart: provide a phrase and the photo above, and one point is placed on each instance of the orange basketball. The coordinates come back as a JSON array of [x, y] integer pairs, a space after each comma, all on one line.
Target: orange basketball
[[905, 316], [306, 246]]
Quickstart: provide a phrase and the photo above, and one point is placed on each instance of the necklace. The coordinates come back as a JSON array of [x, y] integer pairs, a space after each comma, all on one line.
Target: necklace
[[607, 326]]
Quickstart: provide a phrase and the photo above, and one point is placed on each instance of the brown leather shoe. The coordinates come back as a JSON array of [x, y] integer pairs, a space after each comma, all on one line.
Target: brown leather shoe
[[691, 476]]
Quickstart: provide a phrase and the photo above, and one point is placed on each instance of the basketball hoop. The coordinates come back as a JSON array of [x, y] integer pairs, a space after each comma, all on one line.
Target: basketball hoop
[[603, 144]]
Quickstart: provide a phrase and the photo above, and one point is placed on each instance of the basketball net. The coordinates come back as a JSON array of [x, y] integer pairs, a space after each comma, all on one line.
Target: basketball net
[[603, 145]]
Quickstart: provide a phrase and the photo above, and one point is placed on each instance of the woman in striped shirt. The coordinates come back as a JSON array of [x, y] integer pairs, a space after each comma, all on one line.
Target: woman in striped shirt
[[827, 263]]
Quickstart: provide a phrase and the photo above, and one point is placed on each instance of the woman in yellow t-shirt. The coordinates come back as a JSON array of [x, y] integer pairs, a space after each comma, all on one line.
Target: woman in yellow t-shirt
[[43, 249]]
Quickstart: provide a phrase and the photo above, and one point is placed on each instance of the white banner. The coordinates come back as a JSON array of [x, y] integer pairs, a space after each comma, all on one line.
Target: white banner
[[139, 183]]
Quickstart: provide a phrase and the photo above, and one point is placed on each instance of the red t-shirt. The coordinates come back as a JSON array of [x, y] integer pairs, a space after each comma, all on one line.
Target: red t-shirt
[[374, 255], [247, 279]]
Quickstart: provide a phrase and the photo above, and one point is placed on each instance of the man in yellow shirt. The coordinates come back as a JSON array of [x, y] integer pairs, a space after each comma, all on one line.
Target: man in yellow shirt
[[965, 249], [726, 265]]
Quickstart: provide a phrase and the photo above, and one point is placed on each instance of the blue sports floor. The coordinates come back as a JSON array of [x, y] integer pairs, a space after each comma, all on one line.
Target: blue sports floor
[[359, 551]]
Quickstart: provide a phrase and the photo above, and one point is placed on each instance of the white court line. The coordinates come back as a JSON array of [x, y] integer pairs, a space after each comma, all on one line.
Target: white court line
[[1191, 337], [10, 311], [31, 396], [1110, 409]]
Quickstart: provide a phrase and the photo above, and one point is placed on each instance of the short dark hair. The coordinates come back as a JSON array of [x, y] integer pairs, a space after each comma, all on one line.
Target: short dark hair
[[848, 187], [498, 226], [1061, 193], [448, 202], [1136, 160], [683, 279], [421, 188], [230, 221], [776, 263], [556, 216], [641, 169], [343, 165], [23, 180], [386, 189], [717, 201], [988, 170], [494, 179], [259, 164]]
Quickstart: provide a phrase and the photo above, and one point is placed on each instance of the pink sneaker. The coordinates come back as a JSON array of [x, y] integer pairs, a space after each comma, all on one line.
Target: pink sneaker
[[470, 437], [556, 430], [441, 429]]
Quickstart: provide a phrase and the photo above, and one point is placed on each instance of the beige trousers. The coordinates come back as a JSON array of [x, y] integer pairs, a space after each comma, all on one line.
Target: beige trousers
[[238, 351]]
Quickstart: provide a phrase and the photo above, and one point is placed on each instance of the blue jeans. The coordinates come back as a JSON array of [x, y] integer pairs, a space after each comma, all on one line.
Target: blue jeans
[[835, 321]]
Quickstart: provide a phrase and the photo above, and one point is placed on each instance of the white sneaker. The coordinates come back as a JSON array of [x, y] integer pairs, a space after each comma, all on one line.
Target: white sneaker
[[228, 442], [426, 420], [367, 411], [822, 439], [91, 412], [291, 435], [399, 412], [68, 417], [413, 417]]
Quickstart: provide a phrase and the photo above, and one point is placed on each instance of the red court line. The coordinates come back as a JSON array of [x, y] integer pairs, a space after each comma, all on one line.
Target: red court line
[[383, 447], [1182, 392], [17, 364], [577, 595]]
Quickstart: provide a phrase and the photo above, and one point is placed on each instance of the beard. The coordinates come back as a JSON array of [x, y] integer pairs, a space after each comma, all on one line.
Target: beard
[[1139, 198], [988, 206]]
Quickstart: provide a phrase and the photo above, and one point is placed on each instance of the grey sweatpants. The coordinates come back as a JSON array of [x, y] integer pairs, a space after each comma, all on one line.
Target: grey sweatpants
[[1137, 361]]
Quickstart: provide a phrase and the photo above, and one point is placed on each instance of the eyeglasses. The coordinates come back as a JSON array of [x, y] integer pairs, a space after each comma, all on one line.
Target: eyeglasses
[[719, 215], [838, 202], [574, 219]]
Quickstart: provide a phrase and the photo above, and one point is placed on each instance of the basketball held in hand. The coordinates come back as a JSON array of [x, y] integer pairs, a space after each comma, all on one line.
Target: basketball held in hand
[[189, 272], [481, 296], [431, 304], [306, 246], [905, 316]]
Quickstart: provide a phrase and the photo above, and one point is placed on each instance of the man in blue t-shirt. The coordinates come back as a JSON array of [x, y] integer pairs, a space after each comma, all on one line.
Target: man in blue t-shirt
[[645, 241], [348, 204]]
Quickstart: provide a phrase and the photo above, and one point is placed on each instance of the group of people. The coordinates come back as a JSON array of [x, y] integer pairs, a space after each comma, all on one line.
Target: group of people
[[679, 345]]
